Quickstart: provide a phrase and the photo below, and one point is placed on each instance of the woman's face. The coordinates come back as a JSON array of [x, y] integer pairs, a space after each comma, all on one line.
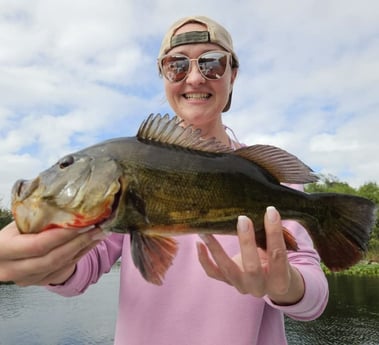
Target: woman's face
[[196, 100]]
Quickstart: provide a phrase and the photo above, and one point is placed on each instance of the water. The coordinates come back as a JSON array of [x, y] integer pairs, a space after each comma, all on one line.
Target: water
[[351, 317], [33, 316]]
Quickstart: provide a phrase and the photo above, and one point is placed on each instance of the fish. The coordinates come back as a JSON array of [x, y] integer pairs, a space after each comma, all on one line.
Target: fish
[[168, 181]]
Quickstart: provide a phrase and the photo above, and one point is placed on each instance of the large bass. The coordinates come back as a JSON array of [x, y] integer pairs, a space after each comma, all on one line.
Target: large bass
[[168, 181]]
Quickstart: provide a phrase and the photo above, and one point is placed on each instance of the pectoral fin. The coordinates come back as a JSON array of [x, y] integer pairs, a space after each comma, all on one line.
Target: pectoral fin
[[152, 255]]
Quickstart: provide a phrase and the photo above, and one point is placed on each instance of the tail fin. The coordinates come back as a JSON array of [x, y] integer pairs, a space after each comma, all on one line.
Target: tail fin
[[346, 223]]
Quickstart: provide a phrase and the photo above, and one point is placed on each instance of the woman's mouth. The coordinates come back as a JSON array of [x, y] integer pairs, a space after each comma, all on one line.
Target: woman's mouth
[[197, 96]]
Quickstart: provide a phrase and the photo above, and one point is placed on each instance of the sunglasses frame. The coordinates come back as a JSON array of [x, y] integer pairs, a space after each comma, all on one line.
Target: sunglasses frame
[[224, 53]]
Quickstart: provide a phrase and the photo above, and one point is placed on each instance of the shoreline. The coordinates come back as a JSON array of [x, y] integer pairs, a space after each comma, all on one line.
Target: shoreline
[[364, 268]]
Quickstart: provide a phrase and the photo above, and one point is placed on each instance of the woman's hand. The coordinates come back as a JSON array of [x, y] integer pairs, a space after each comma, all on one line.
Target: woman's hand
[[49, 257], [255, 271]]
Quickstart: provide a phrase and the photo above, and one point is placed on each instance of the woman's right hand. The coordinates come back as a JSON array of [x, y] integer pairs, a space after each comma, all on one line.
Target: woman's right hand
[[48, 257]]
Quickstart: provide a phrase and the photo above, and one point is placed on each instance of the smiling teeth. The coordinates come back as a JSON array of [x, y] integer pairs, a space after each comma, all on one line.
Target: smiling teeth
[[197, 96]]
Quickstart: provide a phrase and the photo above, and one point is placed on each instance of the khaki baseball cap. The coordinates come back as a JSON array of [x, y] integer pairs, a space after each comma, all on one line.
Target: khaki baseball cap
[[215, 33]]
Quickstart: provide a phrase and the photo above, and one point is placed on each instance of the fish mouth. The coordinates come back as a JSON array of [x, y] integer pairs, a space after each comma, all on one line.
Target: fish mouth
[[34, 215], [23, 189]]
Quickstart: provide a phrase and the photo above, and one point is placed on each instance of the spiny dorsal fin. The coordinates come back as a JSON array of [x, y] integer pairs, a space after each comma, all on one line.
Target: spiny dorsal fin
[[162, 129], [284, 166]]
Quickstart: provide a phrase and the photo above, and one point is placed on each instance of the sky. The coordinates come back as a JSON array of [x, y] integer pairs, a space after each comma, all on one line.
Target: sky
[[76, 72]]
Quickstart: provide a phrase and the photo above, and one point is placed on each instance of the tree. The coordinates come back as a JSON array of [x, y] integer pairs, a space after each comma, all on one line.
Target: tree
[[330, 184], [5, 217]]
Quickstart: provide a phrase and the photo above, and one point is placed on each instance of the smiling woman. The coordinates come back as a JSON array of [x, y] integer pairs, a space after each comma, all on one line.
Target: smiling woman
[[230, 280], [207, 89], [230, 275]]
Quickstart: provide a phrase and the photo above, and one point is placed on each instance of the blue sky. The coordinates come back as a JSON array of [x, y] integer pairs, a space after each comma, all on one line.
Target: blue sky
[[75, 72]]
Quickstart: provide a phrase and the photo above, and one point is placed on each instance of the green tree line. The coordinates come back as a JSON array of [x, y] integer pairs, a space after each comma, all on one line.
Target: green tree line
[[5, 217]]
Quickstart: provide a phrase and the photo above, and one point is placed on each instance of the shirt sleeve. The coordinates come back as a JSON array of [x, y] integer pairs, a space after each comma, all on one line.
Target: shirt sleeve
[[91, 267]]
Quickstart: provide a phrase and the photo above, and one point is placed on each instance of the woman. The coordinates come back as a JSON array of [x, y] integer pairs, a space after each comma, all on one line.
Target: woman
[[251, 289]]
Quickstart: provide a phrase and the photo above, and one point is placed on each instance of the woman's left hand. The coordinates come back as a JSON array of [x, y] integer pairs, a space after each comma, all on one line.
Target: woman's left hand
[[255, 271]]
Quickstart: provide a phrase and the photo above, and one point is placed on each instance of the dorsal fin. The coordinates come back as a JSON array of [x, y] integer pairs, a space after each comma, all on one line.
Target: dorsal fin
[[284, 166], [162, 129]]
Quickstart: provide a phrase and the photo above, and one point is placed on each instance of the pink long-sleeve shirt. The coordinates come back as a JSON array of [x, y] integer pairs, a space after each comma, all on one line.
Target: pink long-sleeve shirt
[[191, 308]]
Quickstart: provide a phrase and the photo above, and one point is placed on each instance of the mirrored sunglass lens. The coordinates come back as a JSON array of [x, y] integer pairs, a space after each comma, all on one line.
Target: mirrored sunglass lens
[[213, 65], [175, 68]]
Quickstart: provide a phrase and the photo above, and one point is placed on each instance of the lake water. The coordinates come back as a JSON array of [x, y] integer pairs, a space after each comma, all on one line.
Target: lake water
[[33, 316]]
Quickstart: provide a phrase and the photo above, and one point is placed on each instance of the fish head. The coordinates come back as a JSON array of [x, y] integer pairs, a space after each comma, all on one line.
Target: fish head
[[78, 191]]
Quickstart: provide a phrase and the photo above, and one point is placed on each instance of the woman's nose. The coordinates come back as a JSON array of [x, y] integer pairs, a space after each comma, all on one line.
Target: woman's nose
[[194, 75]]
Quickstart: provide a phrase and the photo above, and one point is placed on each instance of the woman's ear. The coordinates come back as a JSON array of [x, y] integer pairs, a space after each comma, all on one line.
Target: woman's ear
[[233, 77]]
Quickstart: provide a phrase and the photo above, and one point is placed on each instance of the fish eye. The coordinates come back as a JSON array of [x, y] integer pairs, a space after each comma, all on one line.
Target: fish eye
[[66, 162]]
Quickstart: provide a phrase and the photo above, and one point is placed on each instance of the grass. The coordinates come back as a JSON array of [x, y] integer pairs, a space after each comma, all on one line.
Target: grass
[[364, 268]]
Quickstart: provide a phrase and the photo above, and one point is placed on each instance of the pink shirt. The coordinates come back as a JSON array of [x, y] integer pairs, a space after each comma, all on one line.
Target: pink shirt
[[192, 309]]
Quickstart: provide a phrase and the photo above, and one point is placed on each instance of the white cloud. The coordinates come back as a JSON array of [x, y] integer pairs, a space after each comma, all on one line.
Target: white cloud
[[77, 71]]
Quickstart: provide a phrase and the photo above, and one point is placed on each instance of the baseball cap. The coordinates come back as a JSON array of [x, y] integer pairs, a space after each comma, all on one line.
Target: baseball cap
[[215, 33]]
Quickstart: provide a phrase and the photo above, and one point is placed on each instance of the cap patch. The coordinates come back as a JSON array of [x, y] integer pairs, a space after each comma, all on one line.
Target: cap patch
[[190, 37]]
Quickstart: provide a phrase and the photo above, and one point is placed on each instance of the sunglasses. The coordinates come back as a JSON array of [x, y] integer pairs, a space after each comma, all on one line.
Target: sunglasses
[[212, 65]]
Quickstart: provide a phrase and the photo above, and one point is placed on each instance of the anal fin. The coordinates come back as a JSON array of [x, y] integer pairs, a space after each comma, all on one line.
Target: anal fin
[[152, 255]]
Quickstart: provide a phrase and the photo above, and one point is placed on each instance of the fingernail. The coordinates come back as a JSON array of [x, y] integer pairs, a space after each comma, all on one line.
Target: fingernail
[[272, 214], [242, 224]]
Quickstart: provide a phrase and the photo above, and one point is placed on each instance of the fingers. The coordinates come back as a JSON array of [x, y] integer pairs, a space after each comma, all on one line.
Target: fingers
[[28, 259], [252, 278], [53, 272], [285, 284], [19, 246], [253, 271], [249, 253], [55, 278], [274, 233], [276, 252], [223, 268], [276, 247], [208, 265], [53, 268]]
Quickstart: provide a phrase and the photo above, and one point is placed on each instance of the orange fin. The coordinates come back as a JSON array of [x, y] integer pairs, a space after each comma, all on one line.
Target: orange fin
[[152, 255]]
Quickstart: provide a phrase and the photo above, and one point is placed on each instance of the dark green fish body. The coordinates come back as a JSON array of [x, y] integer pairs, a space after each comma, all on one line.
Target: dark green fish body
[[171, 182]]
